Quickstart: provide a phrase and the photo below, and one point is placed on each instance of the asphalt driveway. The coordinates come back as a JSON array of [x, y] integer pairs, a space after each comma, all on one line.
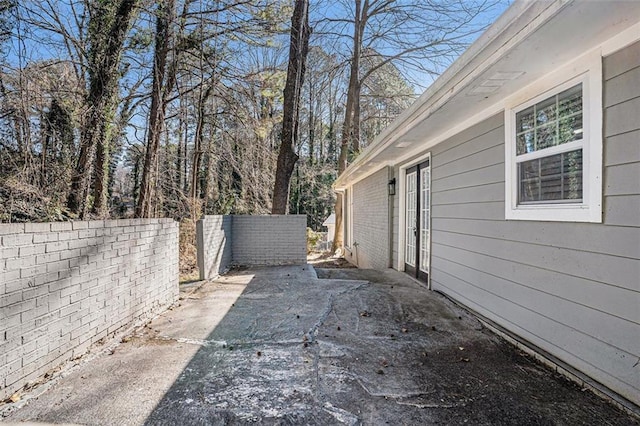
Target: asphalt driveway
[[280, 346]]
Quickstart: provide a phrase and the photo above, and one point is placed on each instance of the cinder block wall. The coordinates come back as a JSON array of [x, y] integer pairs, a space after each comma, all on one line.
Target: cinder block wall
[[269, 239], [64, 286], [250, 240], [213, 234]]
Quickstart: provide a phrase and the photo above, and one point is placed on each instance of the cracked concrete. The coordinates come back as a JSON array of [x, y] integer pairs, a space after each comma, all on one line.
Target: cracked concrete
[[279, 346]]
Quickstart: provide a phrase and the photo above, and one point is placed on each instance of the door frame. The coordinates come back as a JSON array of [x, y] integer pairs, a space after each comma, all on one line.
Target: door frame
[[402, 211]]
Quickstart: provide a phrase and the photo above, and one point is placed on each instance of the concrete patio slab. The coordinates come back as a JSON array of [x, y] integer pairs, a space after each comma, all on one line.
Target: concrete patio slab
[[279, 346]]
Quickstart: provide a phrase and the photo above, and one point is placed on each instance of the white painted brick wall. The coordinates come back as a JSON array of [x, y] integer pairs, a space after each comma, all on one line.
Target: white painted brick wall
[[269, 239], [213, 234], [64, 286], [370, 222], [250, 240]]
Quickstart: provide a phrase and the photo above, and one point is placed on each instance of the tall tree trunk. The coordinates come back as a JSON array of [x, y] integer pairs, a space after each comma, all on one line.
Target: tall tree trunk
[[349, 124], [182, 122], [159, 96], [197, 150], [101, 177], [105, 161], [104, 61], [298, 49], [312, 125]]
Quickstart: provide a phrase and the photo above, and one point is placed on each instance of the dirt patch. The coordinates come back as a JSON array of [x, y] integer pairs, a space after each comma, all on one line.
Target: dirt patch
[[327, 261]]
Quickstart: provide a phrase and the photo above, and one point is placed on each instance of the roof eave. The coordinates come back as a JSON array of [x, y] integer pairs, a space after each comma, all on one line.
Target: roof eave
[[520, 15]]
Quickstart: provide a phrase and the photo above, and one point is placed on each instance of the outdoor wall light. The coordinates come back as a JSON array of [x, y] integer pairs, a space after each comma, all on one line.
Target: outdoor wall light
[[392, 186]]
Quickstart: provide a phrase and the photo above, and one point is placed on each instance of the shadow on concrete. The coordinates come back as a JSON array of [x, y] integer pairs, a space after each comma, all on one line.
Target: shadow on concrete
[[362, 347]]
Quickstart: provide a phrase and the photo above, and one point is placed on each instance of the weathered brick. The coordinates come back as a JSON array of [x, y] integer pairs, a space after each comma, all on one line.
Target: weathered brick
[[16, 240], [8, 252], [37, 227], [96, 224], [60, 265], [25, 251], [87, 233], [17, 263], [70, 254], [29, 315], [10, 368], [47, 258], [11, 228], [33, 271], [35, 292], [56, 246], [45, 238], [10, 299], [68, 235], [61, 226], [79, 225]]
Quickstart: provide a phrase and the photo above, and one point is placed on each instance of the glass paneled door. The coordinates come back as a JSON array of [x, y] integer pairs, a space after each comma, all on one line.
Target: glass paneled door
[[417, 221]]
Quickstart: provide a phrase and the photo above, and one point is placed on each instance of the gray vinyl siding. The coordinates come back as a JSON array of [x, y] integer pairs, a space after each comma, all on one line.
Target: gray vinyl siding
[[370, 248], [572, 289]]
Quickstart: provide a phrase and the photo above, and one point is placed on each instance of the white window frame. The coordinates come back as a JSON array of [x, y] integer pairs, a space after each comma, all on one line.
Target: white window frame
[[588, 71]]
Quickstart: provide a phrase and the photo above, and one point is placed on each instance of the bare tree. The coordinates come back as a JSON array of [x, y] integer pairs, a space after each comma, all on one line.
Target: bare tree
[[109, 23], [416, 36], [159, 94], [298, 49]]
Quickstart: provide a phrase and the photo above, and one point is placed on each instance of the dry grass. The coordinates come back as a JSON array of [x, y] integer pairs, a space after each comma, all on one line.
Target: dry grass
[[188, 251]]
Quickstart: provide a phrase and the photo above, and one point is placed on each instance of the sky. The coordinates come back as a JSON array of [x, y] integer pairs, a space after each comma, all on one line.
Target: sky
[[40, 45]]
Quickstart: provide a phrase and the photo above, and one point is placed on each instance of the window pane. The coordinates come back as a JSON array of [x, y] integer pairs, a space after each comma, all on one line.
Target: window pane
[[570, 101], [529, 190], [524, 120], [553, 178], [572, 176], [551, 122], [546, 136], [526, 143], [546, 111], [570, 128]]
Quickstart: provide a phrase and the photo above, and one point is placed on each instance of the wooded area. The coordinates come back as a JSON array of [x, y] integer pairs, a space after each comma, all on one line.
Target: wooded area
[[174, 108]]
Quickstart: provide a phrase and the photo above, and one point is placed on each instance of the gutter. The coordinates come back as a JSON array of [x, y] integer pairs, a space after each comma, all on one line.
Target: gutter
[[461, 73]]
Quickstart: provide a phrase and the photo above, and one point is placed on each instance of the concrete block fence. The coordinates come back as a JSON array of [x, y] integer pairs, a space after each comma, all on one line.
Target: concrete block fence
[[224, 241], [213, 240], [66, 285]]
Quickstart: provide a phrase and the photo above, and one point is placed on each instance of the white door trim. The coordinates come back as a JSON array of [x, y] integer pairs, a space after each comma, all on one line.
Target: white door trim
[[402, 172]]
